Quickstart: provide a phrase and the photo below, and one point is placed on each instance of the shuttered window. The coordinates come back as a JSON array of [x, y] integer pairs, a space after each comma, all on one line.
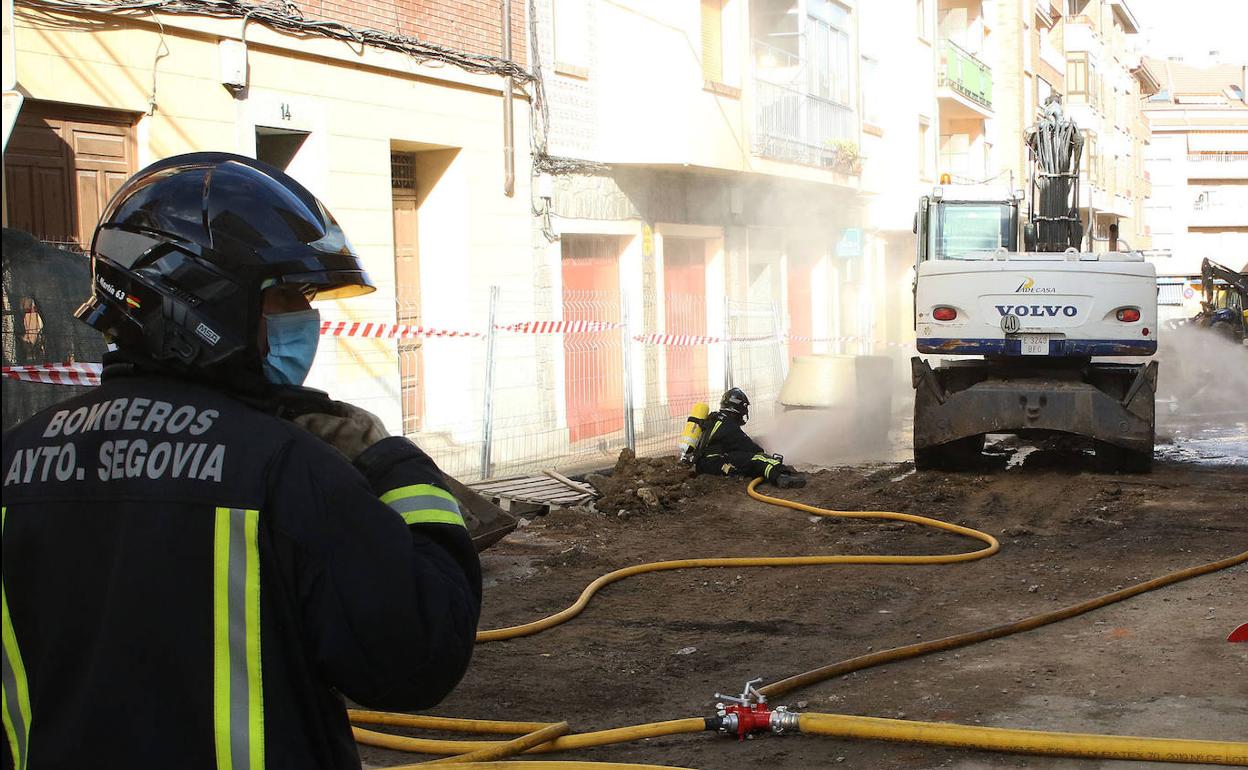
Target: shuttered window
[[713, 40]]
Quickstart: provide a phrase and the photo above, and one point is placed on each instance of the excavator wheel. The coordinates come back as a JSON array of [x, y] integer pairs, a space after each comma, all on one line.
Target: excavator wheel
[[1116, 459], [962, 454]]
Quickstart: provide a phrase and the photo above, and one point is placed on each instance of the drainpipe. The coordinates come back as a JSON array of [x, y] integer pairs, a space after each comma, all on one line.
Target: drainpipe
[[509, 140]]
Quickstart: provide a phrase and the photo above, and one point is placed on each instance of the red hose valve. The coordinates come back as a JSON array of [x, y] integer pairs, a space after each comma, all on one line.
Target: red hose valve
[[748, 713]]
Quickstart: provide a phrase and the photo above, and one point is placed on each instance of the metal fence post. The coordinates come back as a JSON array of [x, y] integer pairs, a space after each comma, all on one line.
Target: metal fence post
[[487, 408], [626, 340], [781, 345], [727, 343]]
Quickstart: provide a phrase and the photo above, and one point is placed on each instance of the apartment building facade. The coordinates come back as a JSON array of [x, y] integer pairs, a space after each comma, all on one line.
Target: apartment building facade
[[405, 142], [1106, 83], [721, 194], [1198, 162]]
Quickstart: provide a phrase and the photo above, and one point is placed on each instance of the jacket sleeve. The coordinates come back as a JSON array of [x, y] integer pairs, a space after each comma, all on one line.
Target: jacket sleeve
[[385, 575]]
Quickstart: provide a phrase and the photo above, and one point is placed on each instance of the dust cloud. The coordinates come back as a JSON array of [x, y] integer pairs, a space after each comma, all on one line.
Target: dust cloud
[[870, 422], [1202, 397]]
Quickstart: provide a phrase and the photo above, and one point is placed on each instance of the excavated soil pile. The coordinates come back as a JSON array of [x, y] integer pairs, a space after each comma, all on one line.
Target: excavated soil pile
[[641, 484]]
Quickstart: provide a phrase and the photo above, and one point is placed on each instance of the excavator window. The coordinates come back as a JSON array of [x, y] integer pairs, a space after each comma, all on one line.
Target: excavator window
[[957, 229]]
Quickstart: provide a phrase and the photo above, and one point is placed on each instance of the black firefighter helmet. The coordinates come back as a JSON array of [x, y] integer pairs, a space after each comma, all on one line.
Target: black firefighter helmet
[[735, 402], [185, 248]]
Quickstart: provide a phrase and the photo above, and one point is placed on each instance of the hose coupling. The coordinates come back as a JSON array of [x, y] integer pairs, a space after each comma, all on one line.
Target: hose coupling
[[784, 721]]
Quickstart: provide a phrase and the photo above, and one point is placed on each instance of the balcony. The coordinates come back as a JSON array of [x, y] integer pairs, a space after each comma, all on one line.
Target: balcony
[[1220, 208], [964, 83], [793, 125], [1217, 165], [1218, 215]]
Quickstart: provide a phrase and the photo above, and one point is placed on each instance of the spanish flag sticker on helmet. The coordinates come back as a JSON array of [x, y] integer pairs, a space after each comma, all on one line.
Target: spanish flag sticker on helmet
[[133, 301]]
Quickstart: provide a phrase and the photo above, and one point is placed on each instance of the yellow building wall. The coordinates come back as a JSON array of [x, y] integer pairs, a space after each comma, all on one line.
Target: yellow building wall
[[357, 106]]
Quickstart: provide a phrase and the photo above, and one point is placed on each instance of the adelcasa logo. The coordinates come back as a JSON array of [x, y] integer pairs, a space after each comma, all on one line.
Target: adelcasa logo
[[1028, 286]]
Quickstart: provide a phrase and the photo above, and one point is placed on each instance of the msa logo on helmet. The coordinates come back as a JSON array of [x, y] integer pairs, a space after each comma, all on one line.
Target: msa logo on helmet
[[118, 294], [1028, 286], [207, 334], [1038, 311]]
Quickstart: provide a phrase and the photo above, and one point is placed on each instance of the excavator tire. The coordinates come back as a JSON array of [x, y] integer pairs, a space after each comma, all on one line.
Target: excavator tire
[[1116, 459], [962, 454]]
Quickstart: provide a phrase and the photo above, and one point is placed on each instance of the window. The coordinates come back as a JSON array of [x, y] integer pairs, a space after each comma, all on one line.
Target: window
[[712, 40], [1077, 75], [829, 51], [960, 228], [571, 33], [955, 155], [921, 25], [870, 77]]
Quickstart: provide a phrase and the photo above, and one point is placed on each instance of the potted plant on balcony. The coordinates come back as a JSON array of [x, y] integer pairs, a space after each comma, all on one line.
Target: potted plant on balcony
[[845, 157]]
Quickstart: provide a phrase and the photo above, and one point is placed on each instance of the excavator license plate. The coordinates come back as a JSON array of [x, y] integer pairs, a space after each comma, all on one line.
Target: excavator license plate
[[1035, 344]]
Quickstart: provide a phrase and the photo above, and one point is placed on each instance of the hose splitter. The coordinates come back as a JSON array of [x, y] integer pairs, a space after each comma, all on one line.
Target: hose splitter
[[745, 714]]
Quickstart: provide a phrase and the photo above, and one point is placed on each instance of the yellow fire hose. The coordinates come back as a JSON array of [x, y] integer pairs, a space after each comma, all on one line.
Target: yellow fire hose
[[582, 601], [1122, 747], [548, 764], [1027, 741], [535, 736], [508, 748]]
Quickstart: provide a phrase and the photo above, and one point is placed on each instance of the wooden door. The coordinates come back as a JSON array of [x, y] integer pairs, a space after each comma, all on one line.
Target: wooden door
[[800, 304], [407, 287], [684, 312], [593, 359], [62, 166]]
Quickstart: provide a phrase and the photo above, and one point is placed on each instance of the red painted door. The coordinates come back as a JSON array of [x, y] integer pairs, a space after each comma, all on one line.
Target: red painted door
[[684, 312], [593, 361], [800, 307]]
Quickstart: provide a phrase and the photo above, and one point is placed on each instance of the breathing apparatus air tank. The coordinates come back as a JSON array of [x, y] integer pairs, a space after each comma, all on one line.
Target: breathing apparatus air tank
[[692, 434]]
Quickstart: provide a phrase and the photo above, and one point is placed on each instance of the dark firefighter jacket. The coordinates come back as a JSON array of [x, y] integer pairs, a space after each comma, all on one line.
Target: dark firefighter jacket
[[725, 436], [190, 582]]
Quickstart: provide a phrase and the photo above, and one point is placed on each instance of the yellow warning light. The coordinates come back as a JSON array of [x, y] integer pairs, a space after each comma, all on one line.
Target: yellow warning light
[[946, 179]]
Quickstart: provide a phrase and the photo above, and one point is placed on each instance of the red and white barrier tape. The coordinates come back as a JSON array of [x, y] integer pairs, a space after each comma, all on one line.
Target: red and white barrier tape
[[878, 343], [56, 374], [89, 373], [677, 340], [559, 327], [387, 331]]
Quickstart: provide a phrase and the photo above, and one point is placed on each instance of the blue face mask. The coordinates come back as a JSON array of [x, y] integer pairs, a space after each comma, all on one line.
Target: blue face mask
[[292, 346]]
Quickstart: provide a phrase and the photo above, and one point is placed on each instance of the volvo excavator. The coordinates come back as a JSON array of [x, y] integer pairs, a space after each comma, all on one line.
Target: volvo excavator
[[1030, 329]]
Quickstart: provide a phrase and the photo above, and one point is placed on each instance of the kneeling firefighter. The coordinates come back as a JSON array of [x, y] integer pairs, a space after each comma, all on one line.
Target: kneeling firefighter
[[724, 448], [199, 554]]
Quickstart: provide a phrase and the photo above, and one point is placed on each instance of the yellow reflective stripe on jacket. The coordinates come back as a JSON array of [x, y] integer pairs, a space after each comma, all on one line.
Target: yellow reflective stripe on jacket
[[238, 703], [16, 705], [424, 504]]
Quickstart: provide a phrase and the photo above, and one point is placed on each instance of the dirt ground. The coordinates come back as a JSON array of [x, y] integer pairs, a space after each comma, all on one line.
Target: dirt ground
[[658, 646]]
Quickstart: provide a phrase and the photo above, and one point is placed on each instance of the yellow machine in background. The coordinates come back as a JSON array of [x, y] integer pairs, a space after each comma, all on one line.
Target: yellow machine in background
[[692, 434]]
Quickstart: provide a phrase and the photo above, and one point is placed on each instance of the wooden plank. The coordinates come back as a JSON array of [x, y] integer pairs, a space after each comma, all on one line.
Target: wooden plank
[[539, 482], [567, 482]]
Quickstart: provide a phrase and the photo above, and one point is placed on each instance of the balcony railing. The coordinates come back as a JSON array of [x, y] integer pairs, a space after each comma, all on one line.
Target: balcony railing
[[1228, 156], [799, 127], [961, 71]]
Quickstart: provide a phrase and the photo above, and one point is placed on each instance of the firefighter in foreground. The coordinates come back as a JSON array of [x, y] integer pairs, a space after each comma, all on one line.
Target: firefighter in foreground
[[724, 449], [199, 555]]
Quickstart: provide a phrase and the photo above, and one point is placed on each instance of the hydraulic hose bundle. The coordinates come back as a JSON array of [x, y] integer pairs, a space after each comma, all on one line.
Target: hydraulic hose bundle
[[751, 713]]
